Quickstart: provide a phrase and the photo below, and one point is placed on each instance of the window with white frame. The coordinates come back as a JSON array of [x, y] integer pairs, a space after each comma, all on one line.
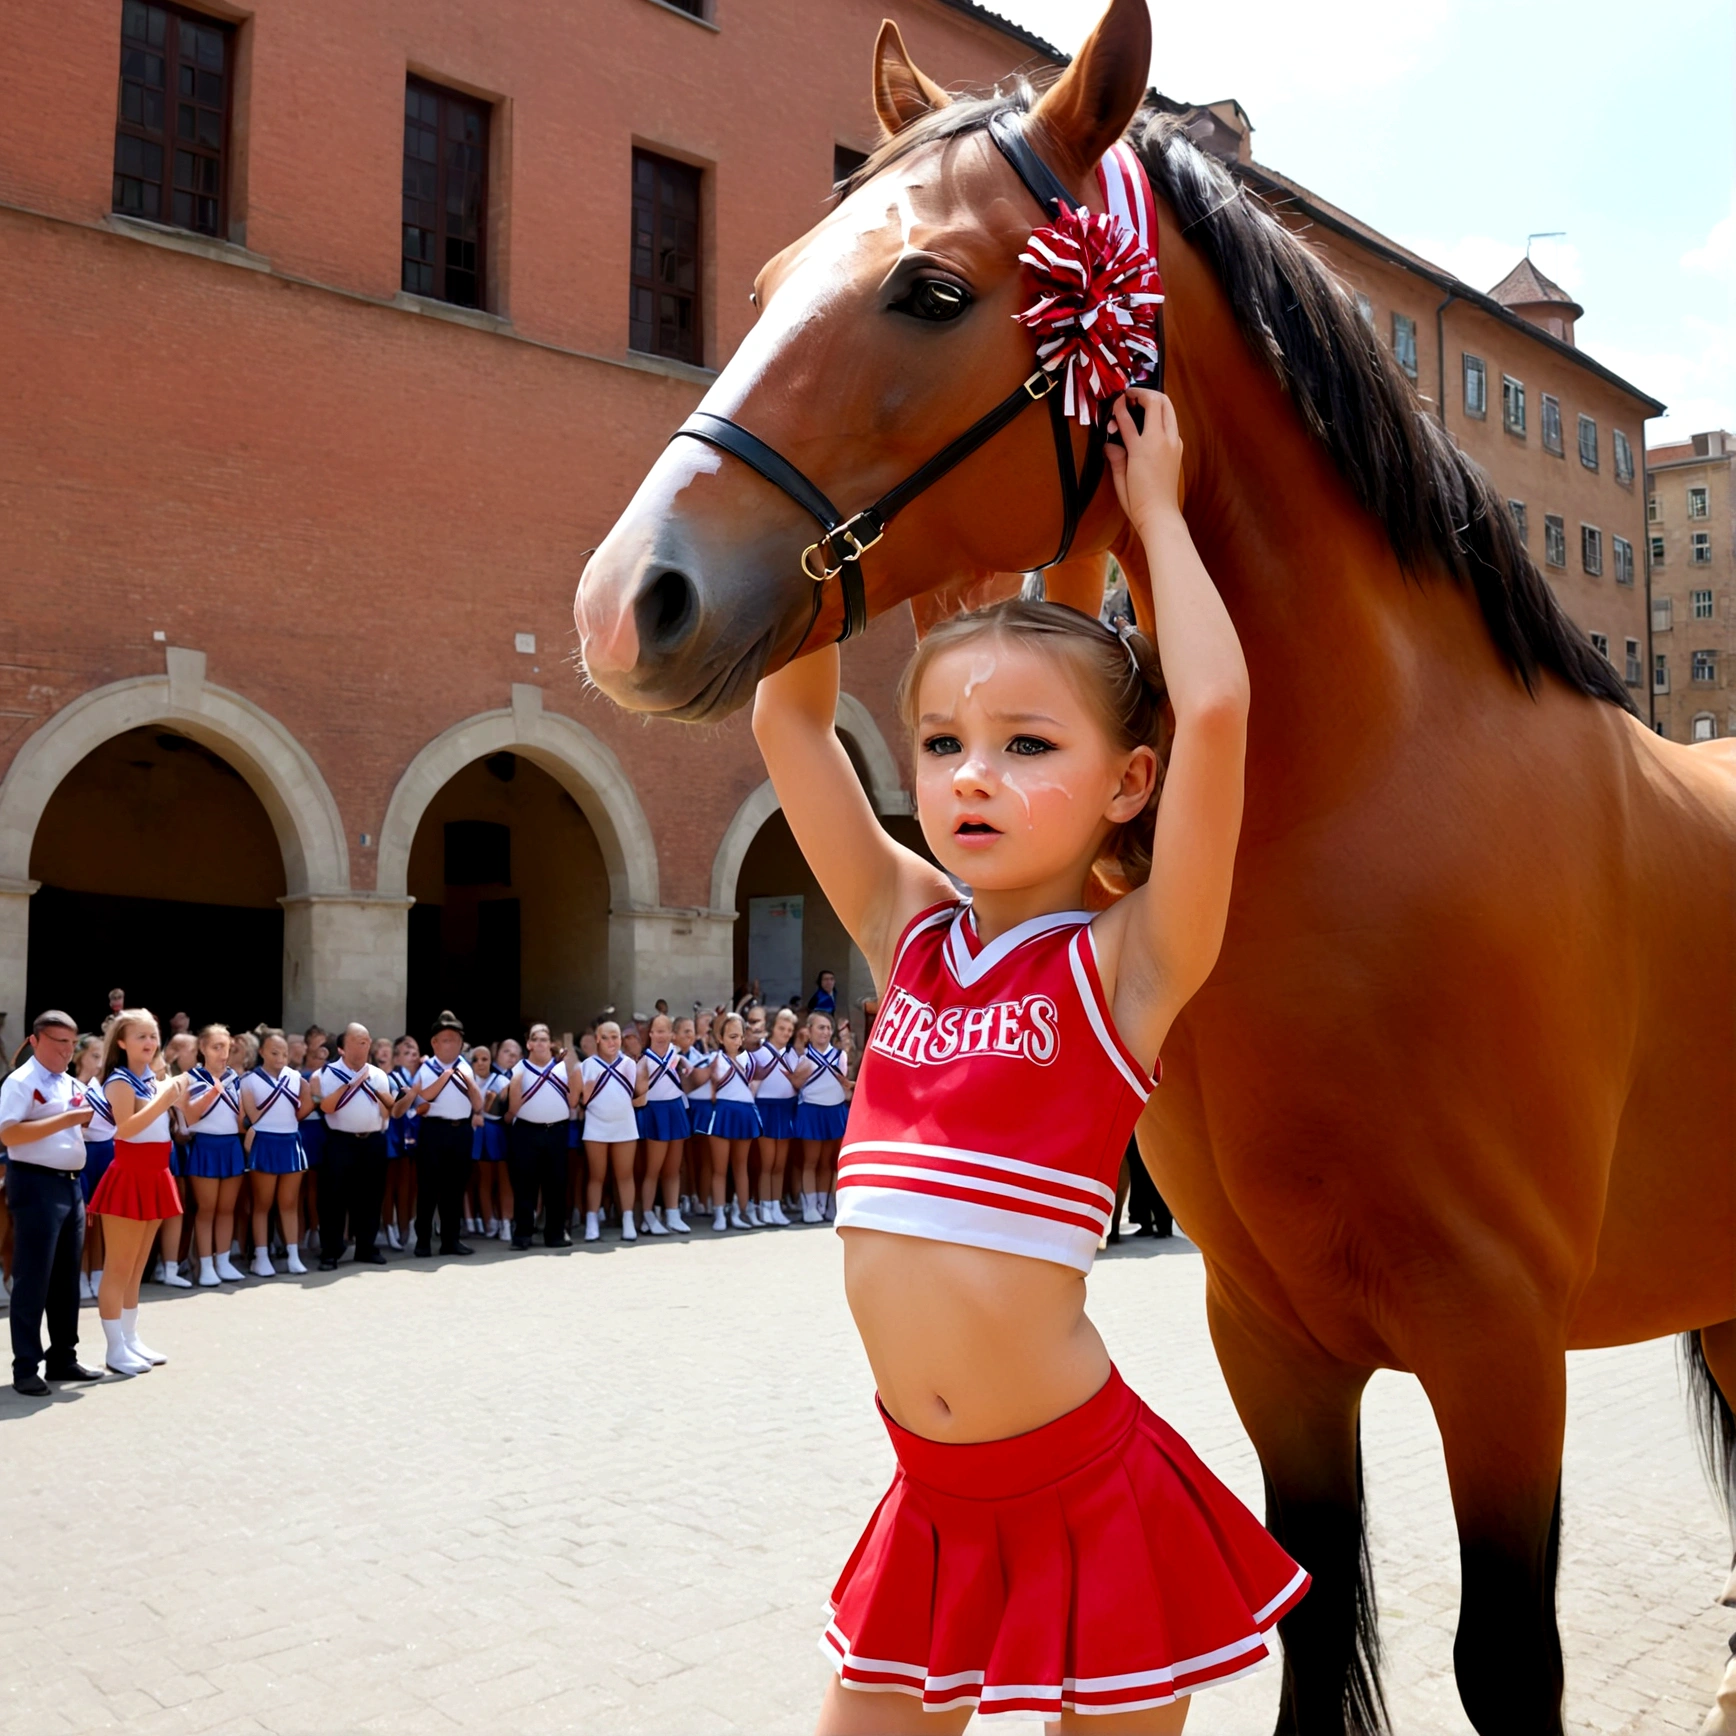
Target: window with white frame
[[1634, 667], [1624, 456], [1702, 555], [1663, 609], [1476, 386], [1702, 601], [1703, 728], [1600, 644], [1623, 550], [1654, 512], [1554, 539], [1591, 549], [1588, 442], [1551, 424], [1660, 672], [1512, 404], [1699, 503], [1365, 307], [1705, 667], [1520, 523], [1404, 342], [1657, 551]]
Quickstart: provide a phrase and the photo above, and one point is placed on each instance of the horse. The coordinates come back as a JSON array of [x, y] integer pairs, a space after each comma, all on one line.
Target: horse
[[1457, 1097]]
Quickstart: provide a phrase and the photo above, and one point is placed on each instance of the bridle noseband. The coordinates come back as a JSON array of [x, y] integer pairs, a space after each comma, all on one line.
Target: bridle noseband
[[837, 553]]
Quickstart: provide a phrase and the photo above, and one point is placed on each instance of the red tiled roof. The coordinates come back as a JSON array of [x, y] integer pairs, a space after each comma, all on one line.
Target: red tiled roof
[[1526, 286]]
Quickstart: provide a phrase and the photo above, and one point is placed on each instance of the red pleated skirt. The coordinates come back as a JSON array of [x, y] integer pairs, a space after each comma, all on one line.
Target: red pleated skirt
[[1092, 1565], [138, 1184]]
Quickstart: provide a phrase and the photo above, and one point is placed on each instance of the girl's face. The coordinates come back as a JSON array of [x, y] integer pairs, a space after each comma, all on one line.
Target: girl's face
[[820, 1031], [140, 1044], [631, 1046], [88, 1062], [541, 1045], [731, 1037], [215, 1052], [295, 1049], [662, 1034], [508, 1055], [274, 1054], [609, 1041], [481, 1059], [1017, 782], [407, 1054], [783, 1028], [381, 1052], [684, 1033]]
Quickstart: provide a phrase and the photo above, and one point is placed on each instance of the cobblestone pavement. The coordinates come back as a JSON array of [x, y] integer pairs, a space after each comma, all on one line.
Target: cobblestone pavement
[[607, 1491]]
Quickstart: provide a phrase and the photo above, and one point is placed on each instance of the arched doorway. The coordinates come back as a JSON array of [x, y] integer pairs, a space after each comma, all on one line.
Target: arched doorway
[[511, 919], [158, 871]]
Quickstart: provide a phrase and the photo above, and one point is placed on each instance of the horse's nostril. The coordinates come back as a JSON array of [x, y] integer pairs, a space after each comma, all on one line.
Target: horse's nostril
[[667, 608]]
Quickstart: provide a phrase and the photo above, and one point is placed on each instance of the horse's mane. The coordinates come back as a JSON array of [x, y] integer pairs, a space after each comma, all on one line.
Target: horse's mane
[[1438, 506]]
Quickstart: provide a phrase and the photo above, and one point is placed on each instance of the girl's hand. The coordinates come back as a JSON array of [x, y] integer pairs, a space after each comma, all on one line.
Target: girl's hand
[[1146, 466]]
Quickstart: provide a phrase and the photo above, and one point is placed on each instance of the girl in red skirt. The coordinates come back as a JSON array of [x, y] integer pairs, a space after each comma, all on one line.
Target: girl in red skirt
[[137, 1192], [1048, 1546]]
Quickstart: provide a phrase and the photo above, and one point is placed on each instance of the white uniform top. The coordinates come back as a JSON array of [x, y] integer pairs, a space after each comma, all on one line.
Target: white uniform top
[[664, 1072], [497, 1083], [452, 1101], [279, 1095], [101, 1125], [824, 1088], [774, 1065], [609, 1114], [542, 1092], [224, 1116], [34, 1094], [366, 1105], [732, 1075], [698, 1069]]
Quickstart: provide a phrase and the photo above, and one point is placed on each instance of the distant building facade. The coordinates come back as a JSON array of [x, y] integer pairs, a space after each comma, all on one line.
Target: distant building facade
[[1691, 527]]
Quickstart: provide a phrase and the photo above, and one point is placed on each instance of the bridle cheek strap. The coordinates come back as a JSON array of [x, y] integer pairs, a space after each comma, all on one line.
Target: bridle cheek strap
[[837, 553]]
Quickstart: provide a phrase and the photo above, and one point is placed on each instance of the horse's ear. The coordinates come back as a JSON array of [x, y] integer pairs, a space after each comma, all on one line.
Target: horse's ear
[[1086, 110], [903, 92]]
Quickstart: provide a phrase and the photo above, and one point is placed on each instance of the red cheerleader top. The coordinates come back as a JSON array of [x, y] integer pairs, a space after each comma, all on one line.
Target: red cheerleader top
[[995, 1099]]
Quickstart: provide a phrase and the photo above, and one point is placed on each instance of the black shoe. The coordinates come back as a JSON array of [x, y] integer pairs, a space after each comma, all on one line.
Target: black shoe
[[458, 1248], [559, 1242], [30, 1385], [521, 1243], [423, 1251], [370, 1257], [74, 1371], [328, 1265]]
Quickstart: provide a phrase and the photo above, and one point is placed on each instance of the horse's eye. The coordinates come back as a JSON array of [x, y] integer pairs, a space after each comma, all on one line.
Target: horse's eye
[[934, 298]]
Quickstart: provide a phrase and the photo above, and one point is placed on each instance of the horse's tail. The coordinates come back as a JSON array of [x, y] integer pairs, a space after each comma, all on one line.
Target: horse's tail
[[1714, 1421]]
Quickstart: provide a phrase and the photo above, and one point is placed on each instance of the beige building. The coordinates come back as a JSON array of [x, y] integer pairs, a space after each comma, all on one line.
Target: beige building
[[1691, 535], [1561, 435]]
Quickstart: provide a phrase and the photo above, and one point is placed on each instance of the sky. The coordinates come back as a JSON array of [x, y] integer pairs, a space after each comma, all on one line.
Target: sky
[[1460, 127]]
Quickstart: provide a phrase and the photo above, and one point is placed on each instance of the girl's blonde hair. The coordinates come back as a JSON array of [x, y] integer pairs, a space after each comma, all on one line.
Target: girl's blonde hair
[[728, 1019], [1114, 668], [125, 1020], [209, 1031]]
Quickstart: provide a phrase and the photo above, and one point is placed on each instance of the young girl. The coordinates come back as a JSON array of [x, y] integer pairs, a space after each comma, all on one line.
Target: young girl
[[215, 1161], [137, 1193], [176, 1057], [733, 1124], [822, 1106], [664, 1127], [539, 1098], [274, 1098], [99, 1153], [775, 1097], [1048, 1545], [693, 1057], [478, 1219], [607, 1089], [400, 1204], [315, 1052]]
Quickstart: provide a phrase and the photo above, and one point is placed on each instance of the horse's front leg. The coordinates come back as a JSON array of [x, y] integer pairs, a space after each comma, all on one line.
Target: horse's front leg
[[1499, 1391], [1301, 1409]]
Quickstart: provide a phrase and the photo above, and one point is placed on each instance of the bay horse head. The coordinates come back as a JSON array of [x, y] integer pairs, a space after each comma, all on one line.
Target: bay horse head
[[884, 334]]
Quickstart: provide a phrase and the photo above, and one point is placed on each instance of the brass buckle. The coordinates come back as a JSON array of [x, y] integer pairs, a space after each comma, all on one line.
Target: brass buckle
[[857, 549], [1045, 379]]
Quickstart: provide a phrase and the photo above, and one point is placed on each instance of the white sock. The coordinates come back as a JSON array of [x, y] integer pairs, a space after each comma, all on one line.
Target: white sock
[[130, 1337], [118, 1354]]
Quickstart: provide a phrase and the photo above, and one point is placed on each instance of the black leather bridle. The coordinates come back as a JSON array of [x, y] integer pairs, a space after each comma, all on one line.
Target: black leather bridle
[[838, 552]]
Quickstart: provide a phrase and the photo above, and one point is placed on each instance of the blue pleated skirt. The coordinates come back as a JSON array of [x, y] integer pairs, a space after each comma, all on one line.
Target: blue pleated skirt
[[734, 1121], [98, 1155], [664, 1120], [699, 1114], [312, 1135], [493, 1142], [575, 1133], [215, 1156], [777, 1117], [401, 1137], [821, 1120], [280, 1153]]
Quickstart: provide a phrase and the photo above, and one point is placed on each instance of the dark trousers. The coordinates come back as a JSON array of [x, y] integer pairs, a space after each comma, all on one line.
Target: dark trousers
[[47, 1244], [537, 1162], [352, 1179], [1147, 1205], [442, 1169]]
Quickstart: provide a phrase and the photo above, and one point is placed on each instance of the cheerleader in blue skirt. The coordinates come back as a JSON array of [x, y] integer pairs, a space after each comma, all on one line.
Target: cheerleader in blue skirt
[[823, 1086], [663, 1125], [609, 1084], [734, 1123], [400, 1203], [214, 1160], [99, 1153], [274, 1098], [774, 1091]]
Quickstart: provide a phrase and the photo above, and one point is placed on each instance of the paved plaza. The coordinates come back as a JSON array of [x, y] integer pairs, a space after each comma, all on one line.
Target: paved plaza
[[606, 1491]]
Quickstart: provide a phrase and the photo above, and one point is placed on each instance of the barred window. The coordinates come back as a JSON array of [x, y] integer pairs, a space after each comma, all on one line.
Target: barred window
[[1660, 672], [1699, 503], [1554, 539], [1702, 601], [1512, 404], [445, 193], [1654, 512], [1657, 551], [1591, 549], [1702, 555], [1624, 560], [1632, 673], [1705, 666], [1663, 611], [1551, 424], [172, 129], [1624, 456], [1476, 386], [1588, 442], [664, 315]]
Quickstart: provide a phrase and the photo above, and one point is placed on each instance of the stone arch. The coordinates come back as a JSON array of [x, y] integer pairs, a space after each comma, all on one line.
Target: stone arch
[[276, 766], [743, 828], [575, 758]]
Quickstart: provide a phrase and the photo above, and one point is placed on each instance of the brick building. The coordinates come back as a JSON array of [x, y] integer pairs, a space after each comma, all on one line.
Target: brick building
[[332, 344], [1691, 524]]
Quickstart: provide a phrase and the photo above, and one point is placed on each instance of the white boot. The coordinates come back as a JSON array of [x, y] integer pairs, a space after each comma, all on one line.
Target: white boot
[[653, 1225], [810, 1211], [208, 1279], [736, 1220], [392, 1241], [719, 1220], [292, 1261], [783, 1216], [227, 1270], [751, 1212], [629, 1230], [262, 1266], [130, 1335], [673, 1220], [591, 1229], [85, 1293], [95, 1282], [172, 1277], [118, 1356]]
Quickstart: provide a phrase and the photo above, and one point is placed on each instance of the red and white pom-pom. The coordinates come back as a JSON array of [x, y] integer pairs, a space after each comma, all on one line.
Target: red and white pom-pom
[[1095, 316]]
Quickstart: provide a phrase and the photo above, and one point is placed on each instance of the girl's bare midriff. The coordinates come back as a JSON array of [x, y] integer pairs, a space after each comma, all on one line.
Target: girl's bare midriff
[[967, 1344]]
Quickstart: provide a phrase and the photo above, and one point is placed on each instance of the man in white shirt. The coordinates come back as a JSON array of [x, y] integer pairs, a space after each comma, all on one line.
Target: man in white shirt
[[42, 1108], [355, 1098]]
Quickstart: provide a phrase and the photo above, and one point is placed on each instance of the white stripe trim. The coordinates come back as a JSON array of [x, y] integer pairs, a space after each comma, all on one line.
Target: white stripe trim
[[1263, 1615], [976, 1184], [971, 971], [934, 919], [1094, 1013], [1181, 1667], [989, 1159], [967, 1223]]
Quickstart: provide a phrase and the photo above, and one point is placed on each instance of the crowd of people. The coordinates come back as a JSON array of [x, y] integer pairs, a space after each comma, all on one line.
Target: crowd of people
[[205, 1157]]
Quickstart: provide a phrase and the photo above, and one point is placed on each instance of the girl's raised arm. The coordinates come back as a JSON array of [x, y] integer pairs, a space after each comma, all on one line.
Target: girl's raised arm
[[1161, 941], [873, 882]]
